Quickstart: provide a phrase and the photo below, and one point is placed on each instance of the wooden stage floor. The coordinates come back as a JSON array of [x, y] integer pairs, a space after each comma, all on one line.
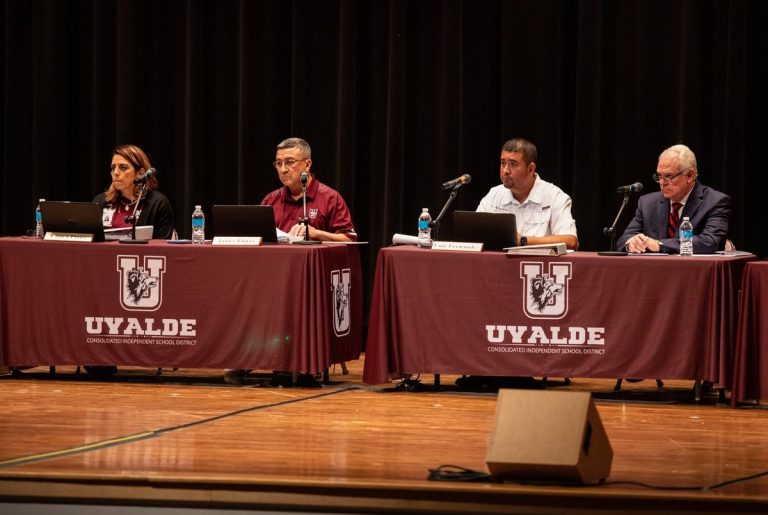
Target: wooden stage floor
[[189, 439]]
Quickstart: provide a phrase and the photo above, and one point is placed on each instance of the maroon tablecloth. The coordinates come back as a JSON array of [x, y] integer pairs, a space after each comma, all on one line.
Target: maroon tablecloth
[[275, 307], [578, 315], [750, 375]]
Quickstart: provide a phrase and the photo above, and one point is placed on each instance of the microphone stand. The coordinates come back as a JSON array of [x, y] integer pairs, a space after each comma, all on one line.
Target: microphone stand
[[435, 224], [133, 218], [611, 231], [305, 219]]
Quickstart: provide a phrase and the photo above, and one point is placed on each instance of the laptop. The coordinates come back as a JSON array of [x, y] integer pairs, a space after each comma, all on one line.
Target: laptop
[[73, 217], [496, 231], [245, 221]]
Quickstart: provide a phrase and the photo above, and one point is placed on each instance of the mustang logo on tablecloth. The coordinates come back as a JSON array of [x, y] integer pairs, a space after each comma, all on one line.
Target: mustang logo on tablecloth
[[340, 285], [546, 293], [138, 285], [141, 286], [543, 291]]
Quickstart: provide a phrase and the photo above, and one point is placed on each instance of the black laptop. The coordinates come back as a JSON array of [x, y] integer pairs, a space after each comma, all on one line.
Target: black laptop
[[245, 221], [72, 217], [495, 231]]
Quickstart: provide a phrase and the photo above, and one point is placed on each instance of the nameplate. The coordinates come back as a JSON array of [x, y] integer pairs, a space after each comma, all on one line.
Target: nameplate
[[68, 236], [237, 240], [463, 246]]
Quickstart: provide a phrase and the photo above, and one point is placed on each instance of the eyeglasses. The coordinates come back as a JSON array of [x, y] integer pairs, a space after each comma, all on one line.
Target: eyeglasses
[[290, 163], [668, 178]]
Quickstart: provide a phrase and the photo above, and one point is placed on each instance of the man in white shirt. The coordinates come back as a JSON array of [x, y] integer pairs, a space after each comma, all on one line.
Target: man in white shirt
[[542, 210]]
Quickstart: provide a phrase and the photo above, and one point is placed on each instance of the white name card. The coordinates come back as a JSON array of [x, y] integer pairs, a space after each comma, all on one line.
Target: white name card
[[463, 246], [68, 236], [237, 240]]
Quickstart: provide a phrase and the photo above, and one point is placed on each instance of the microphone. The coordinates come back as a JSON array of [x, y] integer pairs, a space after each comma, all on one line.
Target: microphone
[[304, 177], [458, 181], [630, 188], [141, 178]]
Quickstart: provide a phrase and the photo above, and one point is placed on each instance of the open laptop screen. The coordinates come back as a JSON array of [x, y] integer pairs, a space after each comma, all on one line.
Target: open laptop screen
[[494, 230], [73, 217], [245, 221]]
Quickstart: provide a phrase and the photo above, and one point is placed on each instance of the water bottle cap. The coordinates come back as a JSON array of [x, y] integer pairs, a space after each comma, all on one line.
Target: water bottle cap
[[198, 207], [42, 200], [425, 209]]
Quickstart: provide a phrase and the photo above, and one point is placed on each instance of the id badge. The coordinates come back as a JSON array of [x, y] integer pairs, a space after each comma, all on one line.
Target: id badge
[[106, 216]]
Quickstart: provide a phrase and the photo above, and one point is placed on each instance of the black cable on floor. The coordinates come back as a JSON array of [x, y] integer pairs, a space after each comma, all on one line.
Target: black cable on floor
[[460, 474], [463, 474]]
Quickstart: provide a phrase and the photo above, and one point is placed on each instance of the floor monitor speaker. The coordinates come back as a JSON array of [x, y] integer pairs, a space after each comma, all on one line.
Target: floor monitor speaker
[[548, 435]]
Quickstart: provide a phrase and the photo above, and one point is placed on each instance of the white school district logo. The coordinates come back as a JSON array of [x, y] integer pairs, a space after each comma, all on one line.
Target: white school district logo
[[141, 287], [340, 285], [313, 212], [545, 293]]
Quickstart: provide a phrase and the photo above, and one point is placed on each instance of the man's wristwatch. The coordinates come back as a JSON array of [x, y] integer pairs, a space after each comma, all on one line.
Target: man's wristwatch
[[523, 241]]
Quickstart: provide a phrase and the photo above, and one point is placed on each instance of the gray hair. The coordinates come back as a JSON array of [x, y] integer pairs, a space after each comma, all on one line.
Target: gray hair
[[296, 143], [686, 159], [525, 147]]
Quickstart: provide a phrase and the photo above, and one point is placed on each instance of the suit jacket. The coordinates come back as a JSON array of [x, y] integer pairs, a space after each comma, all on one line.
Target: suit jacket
[[709, 211]]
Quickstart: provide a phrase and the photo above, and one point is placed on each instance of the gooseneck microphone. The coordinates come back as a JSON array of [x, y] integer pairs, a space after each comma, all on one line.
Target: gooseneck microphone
[[304, 177], [457, 182], [630, 188], [611, 231], [146, 175], [454, 185], [142, 179]]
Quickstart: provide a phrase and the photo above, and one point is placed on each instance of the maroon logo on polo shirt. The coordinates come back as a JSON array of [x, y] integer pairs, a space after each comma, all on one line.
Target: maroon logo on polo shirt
[[141, 287], [546, 293], [340, 284]]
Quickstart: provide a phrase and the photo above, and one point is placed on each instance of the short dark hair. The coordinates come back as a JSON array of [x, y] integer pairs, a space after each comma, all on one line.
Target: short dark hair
[[296, 143], [525, 147]]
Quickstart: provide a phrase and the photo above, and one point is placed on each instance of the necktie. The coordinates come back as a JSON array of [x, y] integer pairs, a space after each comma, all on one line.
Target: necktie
[[674, 220]]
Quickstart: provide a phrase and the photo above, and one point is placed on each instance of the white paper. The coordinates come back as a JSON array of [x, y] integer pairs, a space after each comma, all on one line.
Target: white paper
[[143, 232], [404, 239]]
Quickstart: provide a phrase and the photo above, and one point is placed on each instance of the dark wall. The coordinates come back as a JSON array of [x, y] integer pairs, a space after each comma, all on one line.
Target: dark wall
[[395, 97]]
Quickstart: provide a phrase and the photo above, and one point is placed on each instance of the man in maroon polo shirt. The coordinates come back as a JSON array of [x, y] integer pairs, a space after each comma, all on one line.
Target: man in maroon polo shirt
[[329, 217]]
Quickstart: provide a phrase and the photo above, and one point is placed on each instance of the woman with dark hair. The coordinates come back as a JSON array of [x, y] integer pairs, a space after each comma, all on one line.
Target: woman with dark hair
[[117, 203]]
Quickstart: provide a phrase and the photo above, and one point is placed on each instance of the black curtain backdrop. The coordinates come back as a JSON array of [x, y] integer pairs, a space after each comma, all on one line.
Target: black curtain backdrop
[[395, 97]]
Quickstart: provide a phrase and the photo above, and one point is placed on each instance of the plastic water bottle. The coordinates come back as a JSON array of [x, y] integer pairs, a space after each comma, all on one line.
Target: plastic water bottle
[[686, 237], [425, 229], [198, 226], [39, 231]]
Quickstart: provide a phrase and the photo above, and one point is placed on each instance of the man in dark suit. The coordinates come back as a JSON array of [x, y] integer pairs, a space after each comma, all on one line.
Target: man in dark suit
[[655, 225]]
